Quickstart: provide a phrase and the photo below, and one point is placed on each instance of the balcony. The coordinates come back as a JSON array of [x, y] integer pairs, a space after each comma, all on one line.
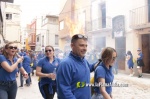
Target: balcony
[[140, 17], [98, 24]]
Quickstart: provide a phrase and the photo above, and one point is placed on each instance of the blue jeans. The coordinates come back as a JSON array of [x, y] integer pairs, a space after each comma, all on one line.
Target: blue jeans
[[28, 81], [8, 90], [97, 96]]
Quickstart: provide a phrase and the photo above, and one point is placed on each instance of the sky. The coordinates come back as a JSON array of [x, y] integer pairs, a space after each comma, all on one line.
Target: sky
[[33, 8]]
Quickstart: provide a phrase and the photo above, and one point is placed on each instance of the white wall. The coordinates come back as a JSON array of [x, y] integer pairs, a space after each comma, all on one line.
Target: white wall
[[12, 27], [119, 7], [13, 33], [53, 30]]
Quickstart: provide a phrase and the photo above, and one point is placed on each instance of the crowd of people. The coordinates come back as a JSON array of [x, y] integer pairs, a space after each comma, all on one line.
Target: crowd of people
[[67, 75]]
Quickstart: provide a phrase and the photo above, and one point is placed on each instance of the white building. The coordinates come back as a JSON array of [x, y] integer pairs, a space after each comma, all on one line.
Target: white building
[[2, 39], [12, 25], [46, 32], [24, 36]]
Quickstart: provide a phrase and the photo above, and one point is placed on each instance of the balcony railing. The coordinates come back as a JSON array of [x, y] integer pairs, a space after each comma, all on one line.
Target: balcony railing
[[99, 23], [140, 17]]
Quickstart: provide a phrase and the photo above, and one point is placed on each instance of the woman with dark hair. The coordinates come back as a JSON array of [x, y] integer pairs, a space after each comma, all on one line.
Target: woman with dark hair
[[130, 63], [104, 75], [44, 70], [8, 69]]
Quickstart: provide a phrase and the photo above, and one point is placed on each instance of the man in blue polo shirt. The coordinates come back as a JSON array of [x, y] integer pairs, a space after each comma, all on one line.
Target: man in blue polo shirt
[[73, 72]]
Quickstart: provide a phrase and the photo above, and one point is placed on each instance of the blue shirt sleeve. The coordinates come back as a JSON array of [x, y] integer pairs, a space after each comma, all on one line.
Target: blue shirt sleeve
[[141, 56], [64, 78], [100, 72], [2, 58], [40, 62]]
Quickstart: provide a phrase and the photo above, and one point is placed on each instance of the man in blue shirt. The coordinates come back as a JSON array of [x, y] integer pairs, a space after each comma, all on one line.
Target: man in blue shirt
[[73, 72], [140, 62]]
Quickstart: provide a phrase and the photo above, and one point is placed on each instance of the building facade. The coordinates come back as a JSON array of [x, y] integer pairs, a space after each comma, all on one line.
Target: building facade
[[32, 35], [49, 31], [123, 27], [140, 25], [72, 20], [12, 25]]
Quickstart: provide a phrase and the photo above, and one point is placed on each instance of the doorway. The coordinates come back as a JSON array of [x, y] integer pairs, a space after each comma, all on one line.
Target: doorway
[[146, 52], [120, 46]]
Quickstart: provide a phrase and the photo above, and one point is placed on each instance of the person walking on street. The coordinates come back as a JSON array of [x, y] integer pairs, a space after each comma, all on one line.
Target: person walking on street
[[130, 63], [26, 65], [73, 73], [104, 75], [8, 69], [44, 69], [140, 62], [34, 64]]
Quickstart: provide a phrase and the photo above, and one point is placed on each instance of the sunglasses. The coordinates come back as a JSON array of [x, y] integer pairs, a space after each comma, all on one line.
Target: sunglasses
[[12, 47], [48, 51], [80, 36]]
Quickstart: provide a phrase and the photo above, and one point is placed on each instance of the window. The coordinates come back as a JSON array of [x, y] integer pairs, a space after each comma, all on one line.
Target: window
[[103, 12], [42, 41], [44, 21], [37, 39], [8, 16], [61, 25], [56, 39]]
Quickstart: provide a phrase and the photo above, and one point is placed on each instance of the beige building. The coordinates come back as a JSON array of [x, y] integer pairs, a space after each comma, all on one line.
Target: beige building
[[140, 25], [72, 20]]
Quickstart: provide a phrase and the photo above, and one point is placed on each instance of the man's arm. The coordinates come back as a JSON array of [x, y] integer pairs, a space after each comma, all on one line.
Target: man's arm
[[64, 79]]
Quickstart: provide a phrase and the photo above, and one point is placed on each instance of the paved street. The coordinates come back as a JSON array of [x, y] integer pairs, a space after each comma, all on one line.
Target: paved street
[[138, 88], [31, 92]]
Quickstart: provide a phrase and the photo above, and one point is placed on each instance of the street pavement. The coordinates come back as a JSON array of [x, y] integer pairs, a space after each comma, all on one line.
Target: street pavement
[[31, 92], [137, 88]]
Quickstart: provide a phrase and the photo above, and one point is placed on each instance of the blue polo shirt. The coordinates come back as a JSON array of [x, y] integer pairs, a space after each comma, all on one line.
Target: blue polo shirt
[[22, 54], [103, 72], [8, 76], [47, 67], [26, 63], [141, 56]]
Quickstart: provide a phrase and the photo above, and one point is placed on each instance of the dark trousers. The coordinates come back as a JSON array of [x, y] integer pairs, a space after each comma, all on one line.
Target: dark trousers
[[8, 90], [46, 91]]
